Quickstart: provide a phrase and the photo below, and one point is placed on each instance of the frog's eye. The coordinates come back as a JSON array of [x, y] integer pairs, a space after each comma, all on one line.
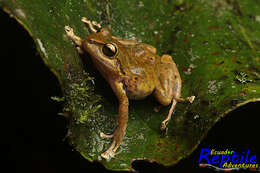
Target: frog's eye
[[109, 50]]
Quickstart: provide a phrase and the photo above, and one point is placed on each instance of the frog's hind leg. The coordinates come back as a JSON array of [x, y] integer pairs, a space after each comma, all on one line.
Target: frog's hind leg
[[76, 39], [91, 24], [174, 102], [169, 90], [168, 118]]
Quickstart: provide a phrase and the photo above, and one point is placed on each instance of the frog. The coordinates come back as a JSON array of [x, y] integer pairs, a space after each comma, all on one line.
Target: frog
[[133, 70]]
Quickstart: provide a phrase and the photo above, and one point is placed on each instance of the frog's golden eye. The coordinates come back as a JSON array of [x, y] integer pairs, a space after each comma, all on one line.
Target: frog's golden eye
[[109, 50]]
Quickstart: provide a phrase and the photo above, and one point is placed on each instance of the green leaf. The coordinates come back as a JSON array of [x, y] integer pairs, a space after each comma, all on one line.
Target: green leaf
[[216, 45]]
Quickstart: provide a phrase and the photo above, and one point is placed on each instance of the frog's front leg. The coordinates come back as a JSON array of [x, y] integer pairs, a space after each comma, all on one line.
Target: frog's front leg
[[90, 24], [119, 133], [76, 39]]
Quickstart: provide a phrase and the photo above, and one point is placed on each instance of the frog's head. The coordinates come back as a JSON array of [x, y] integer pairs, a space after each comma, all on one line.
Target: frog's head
[[103, 50]]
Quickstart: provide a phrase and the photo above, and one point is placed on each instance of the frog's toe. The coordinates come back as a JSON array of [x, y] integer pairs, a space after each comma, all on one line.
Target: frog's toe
[[69, 30], [103, 135], [108, 154], [96, 24], [70, 33], [191, 99], [85, 20], [163, 126]]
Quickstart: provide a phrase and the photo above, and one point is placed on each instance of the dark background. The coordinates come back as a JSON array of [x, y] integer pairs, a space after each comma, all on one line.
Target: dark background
[[33, 132]]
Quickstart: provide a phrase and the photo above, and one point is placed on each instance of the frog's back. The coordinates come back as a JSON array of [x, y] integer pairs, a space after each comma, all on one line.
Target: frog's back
[[140, 68]]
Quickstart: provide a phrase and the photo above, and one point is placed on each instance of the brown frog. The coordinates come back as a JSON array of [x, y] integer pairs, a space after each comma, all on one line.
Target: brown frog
[[133, 71]]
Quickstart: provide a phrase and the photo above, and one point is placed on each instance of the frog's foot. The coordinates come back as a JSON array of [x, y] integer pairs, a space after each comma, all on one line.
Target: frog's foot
[[117, 136], [163, 125], [91, 24], [70, 33], [109, 153], [188, 99]]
